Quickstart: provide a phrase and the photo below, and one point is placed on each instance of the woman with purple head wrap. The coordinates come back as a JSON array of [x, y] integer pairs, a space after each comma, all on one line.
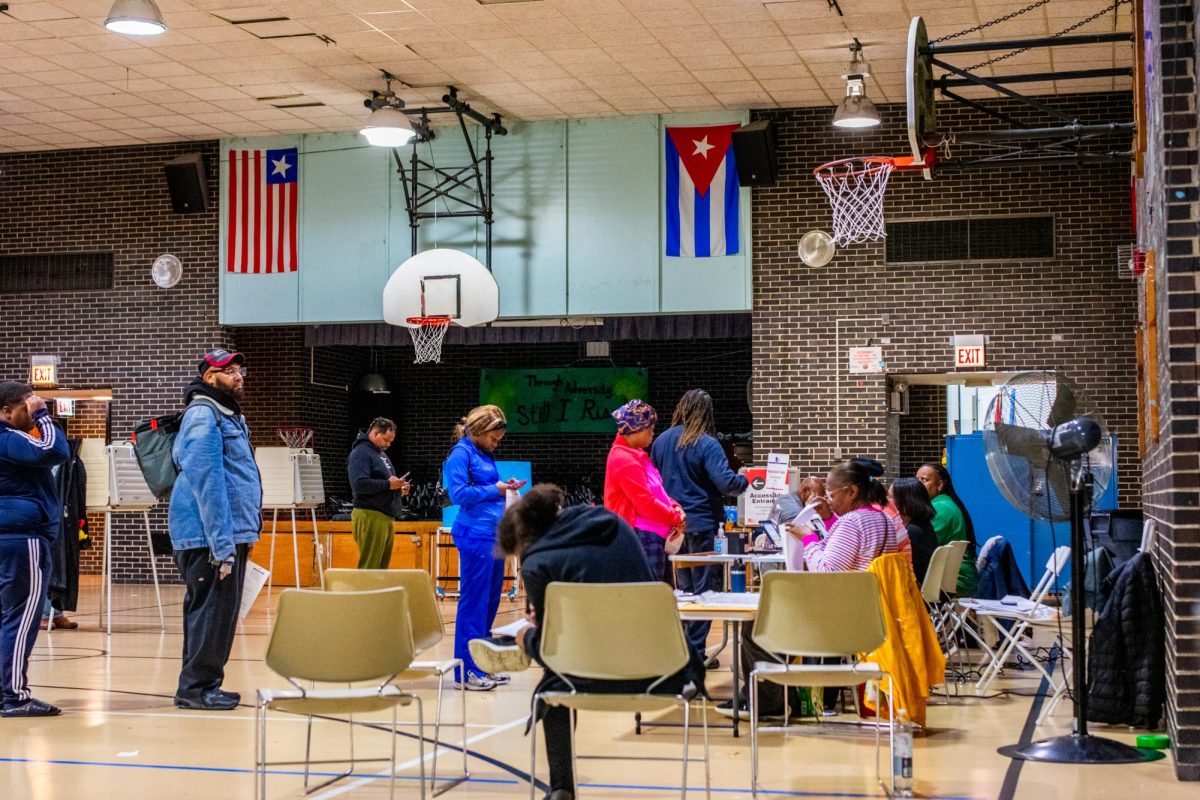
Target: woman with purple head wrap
[[633, 487]]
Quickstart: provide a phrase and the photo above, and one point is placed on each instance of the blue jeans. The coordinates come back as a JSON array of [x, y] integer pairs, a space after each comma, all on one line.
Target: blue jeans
[[697, 580], [480, 578]]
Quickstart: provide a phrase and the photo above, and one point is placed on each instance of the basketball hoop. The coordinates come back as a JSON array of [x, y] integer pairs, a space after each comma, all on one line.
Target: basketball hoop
[[855, 188], [295, 437], [427, 335]]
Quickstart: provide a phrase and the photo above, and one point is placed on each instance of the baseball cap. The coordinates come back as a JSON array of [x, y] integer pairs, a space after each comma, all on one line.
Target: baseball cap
[[218, 359]]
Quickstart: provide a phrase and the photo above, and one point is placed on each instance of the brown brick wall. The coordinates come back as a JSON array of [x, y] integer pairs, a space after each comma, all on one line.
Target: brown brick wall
[[140, 340], [1171, 473], [805, 318]]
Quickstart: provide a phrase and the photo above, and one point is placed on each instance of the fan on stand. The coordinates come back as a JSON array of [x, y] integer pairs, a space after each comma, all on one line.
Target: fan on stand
[[1050, 454]]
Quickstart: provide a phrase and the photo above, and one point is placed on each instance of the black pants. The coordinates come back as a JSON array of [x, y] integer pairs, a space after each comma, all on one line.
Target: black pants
[[696, 580], [24, 569], [210, 613], [556, 729]]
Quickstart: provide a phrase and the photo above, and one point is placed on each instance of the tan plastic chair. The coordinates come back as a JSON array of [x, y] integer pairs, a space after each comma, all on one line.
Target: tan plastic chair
[[427, 630], [334, 637], [931, 593], [818, 614], [616, 631]]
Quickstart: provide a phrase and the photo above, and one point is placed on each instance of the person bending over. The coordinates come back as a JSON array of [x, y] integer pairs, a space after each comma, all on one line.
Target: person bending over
[[580, 544]]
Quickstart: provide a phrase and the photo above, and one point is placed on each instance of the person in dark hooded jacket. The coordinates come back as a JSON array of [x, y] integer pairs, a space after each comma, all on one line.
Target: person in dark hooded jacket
[[580, 544], [375, 485]]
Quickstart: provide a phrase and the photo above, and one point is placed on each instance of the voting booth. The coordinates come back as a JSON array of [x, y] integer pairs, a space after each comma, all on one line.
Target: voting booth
[[116, 486], [292, 480]]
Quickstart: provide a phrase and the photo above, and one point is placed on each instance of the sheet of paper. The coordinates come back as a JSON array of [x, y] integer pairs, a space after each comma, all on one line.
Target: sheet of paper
[[740, 599], [777, 472]]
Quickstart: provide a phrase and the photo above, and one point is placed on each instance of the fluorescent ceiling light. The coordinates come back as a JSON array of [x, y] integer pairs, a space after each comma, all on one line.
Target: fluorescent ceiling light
[[135, 17], [388, 127]]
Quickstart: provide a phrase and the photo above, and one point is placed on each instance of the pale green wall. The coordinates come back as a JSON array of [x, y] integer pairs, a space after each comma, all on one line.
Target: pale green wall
[[578, 229]]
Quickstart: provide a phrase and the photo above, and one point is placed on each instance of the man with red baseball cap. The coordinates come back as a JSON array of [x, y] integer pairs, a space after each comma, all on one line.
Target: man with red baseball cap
[[215, 516]]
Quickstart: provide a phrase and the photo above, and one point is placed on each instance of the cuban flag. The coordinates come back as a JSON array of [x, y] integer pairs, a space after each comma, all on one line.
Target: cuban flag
[[702, 192], [261, 211]]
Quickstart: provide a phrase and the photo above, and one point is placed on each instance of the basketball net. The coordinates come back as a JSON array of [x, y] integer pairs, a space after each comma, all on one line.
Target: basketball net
[[295, 437], [427, 335], [855, 188]]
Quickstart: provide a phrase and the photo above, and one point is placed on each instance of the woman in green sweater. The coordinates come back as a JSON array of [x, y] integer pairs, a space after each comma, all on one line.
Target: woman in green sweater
[[951, 522]]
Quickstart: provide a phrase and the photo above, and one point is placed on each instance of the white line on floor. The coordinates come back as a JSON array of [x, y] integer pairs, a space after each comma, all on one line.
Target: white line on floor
[[399, 767]]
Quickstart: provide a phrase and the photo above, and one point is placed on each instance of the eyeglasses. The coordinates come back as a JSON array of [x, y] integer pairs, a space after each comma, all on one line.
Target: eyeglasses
[[232, 371], [832, 489]]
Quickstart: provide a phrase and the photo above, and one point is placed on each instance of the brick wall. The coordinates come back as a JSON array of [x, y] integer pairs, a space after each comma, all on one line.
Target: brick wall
[[806, 318], [1171, 472], [140, 340], [923, 429]]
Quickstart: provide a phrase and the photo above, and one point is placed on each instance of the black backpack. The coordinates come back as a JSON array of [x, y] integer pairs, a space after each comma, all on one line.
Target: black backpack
[[153, 439]]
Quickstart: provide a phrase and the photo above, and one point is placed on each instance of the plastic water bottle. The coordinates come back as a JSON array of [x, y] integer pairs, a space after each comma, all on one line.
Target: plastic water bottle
[[902, 755], [720, 543]]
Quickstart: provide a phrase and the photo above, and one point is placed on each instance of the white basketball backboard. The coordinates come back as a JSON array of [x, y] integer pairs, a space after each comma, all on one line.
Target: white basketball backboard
[[441, 282]]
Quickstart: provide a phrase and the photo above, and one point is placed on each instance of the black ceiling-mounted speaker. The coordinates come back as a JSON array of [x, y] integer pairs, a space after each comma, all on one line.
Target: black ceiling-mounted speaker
[[187, 182], [754, 152]]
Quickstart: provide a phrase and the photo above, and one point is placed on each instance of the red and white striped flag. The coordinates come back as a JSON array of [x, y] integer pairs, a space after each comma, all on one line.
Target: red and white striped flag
[[261, 211]]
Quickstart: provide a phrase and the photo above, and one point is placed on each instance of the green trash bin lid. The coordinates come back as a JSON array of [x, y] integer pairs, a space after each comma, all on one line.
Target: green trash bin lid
[[1154, 741]]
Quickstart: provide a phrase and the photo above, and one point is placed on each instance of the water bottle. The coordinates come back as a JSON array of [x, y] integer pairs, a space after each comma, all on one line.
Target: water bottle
[[737, 579], [720, 542], [902, 755]]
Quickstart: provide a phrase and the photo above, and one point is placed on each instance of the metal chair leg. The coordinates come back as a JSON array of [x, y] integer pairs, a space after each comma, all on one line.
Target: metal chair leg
[[533, 725], [753, 710], [687, 725]]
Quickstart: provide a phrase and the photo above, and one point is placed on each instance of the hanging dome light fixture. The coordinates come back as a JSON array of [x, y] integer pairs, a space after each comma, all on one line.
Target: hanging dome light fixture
[[135, 18], [388, 125], [856, 109]]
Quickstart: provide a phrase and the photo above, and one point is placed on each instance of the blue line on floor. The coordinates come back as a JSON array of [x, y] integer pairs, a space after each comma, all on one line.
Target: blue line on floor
[[621, 786]]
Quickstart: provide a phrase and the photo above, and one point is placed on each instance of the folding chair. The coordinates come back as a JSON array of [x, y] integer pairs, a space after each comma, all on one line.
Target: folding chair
[[931, 593], [819, 614], [427, 631], [335, 637], [616, 631], [1022, 618]]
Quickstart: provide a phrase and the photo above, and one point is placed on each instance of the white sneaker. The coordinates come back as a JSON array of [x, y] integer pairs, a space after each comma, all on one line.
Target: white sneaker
[[476, 683]]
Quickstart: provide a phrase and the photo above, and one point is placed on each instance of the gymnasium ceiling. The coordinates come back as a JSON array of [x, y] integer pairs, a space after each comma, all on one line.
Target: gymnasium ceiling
[[66, 82]]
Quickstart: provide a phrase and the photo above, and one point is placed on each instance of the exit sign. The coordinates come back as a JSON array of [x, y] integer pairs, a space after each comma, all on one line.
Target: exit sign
[[43, 371], [969, 352]]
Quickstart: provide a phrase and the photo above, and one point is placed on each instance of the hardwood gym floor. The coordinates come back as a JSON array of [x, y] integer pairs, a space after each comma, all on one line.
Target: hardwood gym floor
[[120, 736]]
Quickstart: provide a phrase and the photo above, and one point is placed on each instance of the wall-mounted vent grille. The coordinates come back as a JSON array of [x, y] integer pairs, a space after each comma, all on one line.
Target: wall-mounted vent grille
[[56, 272], [980, 239]]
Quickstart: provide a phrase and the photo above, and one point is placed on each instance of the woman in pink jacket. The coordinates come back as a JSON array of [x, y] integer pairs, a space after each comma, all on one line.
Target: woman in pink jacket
[[633, 487]]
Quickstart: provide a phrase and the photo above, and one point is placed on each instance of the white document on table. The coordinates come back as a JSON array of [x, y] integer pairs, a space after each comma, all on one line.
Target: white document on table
[[747, 599]]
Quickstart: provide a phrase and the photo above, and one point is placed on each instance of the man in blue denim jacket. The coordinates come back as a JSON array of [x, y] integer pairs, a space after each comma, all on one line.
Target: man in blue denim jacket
[[215, 516]]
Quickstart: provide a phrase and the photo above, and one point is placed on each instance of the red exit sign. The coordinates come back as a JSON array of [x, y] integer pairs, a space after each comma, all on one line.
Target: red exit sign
[[43, 376], [969, 356]]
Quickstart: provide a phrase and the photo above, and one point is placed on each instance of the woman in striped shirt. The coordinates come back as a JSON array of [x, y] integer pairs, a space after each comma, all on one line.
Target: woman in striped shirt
[[863, 532]]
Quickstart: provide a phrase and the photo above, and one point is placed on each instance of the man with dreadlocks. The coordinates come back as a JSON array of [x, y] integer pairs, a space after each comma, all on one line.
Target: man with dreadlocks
[[696, 475]]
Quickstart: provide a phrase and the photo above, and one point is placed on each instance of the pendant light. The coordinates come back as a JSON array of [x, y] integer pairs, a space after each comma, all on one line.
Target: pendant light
[[856, 109], [388, 125], [136, 18]]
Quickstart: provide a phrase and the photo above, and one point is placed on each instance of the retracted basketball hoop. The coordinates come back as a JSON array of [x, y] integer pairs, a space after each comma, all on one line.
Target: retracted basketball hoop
[[427, 335], [294, 437]]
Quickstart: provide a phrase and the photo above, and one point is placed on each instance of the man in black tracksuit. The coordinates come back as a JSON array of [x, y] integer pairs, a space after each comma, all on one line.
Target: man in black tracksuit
[[30, 513]]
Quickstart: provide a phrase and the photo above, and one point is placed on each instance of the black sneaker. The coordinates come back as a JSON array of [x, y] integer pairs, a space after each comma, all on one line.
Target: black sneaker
[[216, 700], [726, 710], [560, 794], [32, 708]]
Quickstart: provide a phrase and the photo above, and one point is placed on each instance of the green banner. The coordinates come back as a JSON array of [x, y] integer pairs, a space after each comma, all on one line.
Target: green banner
[[562, 400]]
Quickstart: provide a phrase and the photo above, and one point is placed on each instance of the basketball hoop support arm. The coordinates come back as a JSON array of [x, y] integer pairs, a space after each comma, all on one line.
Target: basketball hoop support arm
[[475, 178]]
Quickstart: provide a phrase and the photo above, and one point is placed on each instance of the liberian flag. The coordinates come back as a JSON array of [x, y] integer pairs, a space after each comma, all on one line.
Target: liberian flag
[[702, 192], [261, 211]]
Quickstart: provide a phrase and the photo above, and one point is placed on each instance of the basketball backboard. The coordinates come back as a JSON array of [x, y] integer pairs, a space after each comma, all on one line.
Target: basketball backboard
[[922, 110], [441, 283]]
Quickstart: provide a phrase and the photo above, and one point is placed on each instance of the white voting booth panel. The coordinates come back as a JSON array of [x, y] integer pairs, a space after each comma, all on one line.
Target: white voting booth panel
[[94, 456], [292, 479], [755, 504], [124, 491]]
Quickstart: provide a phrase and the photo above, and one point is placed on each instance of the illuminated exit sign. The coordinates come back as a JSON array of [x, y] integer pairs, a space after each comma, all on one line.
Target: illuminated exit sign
[[43, 371], [969, 352]]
